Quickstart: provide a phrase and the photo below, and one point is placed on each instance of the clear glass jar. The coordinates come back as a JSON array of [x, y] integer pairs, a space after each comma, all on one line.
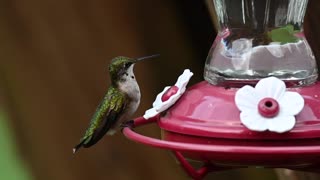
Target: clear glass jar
[[257, 39]]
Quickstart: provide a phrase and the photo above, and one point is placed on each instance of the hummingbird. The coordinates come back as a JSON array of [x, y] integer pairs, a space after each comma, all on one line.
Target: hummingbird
[[119, 103]]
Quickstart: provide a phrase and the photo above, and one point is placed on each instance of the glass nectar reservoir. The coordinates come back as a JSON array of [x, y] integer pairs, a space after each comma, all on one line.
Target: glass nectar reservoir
[[258, 39]]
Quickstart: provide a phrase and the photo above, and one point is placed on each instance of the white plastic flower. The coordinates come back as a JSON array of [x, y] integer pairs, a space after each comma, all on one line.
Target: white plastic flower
[[169, 95], [268, 106]]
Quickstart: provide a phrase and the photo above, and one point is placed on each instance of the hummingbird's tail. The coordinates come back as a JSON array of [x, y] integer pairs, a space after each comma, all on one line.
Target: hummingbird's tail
[[77, 147]]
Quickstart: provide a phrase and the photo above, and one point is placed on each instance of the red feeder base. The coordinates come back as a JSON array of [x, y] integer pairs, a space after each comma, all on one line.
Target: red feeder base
[[223, 156], [216, 137]]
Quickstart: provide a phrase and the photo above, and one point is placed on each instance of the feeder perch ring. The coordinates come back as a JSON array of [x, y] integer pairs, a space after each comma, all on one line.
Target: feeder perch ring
[[262, 153]]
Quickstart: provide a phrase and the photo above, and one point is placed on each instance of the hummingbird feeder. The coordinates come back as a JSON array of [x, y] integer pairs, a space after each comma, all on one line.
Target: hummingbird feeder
[[260, 102]]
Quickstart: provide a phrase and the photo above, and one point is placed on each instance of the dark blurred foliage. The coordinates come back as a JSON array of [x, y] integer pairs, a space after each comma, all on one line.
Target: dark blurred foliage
[[53, 73]]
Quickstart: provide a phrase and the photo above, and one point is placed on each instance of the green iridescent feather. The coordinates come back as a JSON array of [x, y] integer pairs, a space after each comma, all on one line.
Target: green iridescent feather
[[105, 116]]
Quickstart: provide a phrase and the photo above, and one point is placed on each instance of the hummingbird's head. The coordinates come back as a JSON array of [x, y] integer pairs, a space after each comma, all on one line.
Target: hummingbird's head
[[121, 68]]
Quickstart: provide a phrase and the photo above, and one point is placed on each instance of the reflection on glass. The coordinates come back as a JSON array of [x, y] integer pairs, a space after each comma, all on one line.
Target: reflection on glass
[[260, 38]]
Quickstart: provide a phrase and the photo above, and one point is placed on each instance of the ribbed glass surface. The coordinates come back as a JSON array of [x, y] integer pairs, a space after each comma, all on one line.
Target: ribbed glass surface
[[260, 38]]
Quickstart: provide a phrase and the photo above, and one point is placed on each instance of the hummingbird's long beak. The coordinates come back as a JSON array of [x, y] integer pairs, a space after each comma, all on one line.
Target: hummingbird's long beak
[[146, 57]]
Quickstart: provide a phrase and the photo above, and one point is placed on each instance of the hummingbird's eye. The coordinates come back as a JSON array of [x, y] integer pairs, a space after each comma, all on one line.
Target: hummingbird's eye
[[127, 65]]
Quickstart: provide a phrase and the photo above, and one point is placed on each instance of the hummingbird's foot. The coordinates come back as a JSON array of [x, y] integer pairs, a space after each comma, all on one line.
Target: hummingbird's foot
[[128, 124]]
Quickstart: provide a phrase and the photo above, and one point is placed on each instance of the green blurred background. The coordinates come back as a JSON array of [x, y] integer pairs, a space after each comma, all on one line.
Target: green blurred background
[[53, 72]]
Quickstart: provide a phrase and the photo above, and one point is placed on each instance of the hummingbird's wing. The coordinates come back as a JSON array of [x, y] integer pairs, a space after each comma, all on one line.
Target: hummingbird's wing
[[105, 117]]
